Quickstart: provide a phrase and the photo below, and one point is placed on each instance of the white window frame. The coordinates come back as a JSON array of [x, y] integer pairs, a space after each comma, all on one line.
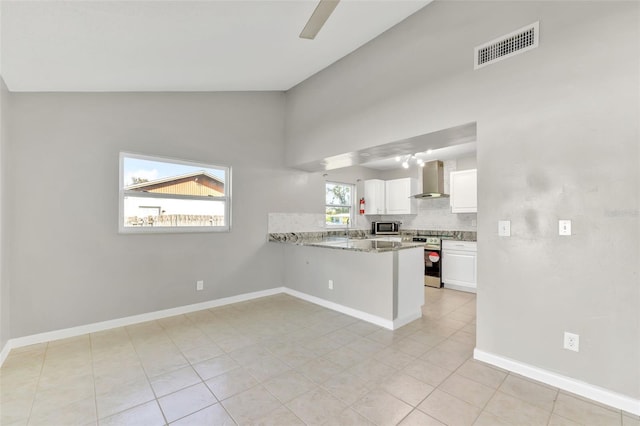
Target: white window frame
[[151, 196], [350, 206]]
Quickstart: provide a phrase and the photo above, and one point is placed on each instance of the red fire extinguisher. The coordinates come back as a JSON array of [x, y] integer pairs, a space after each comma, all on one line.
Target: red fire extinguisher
[[361, 205]]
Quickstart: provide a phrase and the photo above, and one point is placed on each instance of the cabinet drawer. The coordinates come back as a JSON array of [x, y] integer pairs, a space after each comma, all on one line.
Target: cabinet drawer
[[459, 245]]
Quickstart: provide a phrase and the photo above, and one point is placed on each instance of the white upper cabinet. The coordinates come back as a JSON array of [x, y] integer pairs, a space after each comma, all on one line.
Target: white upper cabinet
[[398, 196], [374, 197], [390, 196], [464, 191]]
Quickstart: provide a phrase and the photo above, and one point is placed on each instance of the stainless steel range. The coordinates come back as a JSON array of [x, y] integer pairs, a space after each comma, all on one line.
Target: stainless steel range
[[432, 260]]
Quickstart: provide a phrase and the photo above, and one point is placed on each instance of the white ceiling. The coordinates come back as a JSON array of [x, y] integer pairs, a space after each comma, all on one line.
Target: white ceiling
[[180, 45]]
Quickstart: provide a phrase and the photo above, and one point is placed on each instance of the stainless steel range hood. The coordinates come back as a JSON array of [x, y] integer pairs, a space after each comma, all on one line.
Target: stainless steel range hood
[[432, 180]]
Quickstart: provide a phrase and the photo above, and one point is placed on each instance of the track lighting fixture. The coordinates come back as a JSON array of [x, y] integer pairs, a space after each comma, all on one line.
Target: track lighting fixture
[[409, 158]]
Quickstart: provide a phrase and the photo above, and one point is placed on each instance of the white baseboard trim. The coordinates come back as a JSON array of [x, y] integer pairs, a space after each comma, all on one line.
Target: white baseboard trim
[[388, 324], [135, 319], [460, 287], [5, 352], [595, 393], [399, 322], [151, 316]]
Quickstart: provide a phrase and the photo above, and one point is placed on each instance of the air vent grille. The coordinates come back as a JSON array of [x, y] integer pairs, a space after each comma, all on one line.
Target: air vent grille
[[507, 46]]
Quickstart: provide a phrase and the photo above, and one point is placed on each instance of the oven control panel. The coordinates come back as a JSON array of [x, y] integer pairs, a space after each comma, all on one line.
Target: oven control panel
[[430, 242]]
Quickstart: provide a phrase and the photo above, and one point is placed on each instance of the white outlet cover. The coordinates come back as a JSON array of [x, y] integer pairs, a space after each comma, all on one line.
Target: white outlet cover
[[504, 228], [572, 341], [199, 285]]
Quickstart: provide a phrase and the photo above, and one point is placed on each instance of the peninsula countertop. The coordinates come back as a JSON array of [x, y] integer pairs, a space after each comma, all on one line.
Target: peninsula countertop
[[371, 245]]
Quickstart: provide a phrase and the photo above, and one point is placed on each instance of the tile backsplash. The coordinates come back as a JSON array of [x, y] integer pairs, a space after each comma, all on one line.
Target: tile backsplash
[[434, 214], [295, 222]]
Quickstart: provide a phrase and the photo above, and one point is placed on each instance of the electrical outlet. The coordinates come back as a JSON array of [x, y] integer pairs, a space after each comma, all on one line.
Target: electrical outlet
[[330, 284], [199, 285], [572, 342]]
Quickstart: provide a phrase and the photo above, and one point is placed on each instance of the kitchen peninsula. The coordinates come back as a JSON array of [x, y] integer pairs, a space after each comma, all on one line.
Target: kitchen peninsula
[[376, 280]]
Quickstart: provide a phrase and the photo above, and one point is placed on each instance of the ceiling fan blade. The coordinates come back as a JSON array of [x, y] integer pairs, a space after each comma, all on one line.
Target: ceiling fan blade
[[318, 18]]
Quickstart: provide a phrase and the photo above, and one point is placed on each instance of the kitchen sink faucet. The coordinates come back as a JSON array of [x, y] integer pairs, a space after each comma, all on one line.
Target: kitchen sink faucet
[[346, 230]]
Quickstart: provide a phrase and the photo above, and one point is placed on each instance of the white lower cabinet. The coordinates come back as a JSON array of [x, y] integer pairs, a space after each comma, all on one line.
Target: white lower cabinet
[[459, 265]]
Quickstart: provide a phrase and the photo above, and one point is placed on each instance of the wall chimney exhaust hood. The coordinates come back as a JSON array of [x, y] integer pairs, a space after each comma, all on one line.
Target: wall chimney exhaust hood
[[432, 180]]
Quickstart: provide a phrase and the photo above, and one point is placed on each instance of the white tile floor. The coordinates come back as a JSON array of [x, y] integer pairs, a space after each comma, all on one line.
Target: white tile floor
[[282, 361]]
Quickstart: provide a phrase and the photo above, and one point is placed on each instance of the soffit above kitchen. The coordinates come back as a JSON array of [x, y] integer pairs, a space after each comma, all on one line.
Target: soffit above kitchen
[[449, 143], [164, 45]]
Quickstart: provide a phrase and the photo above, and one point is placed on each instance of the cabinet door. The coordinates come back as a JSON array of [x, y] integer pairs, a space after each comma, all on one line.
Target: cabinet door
[[459, 267], [398, 196], [374, 196], [464, 191]]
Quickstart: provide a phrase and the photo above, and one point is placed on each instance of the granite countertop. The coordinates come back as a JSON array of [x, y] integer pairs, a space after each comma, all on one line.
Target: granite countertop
[[446, 235], [353, 243], [366, 245], [405, 236]]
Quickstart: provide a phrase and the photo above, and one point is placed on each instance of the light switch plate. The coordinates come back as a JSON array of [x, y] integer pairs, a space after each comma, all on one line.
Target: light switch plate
[[564, 227], [504, 228]]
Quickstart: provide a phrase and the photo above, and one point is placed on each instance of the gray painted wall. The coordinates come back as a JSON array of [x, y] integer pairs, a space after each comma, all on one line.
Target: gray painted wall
[[557, 139], [4, 283], [354, 274], [70, 266], [467, 163]]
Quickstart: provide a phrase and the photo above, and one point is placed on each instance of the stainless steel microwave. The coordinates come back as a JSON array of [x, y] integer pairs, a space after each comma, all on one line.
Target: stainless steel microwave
[[385, 228]]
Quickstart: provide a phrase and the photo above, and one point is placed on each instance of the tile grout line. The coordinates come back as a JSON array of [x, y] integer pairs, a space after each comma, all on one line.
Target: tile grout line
[[448, 376], [166, 421], [553, 406], [35, 393], [93, 375], [202, 380], [492, 396], [482, 409], [260, 338], [219, 401]]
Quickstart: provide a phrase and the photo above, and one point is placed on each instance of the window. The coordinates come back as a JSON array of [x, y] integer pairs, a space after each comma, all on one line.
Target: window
[[166, 195], [339, 204]]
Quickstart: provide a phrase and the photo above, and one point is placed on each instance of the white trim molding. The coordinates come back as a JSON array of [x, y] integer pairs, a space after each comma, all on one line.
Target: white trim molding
[[364, 316], [135, 319], [399, 322], [587, 390], [373, 319], [5, 352], [151, 316]]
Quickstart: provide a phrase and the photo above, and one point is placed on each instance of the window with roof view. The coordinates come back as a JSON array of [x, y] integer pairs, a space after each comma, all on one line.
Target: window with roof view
[[168, 195]]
